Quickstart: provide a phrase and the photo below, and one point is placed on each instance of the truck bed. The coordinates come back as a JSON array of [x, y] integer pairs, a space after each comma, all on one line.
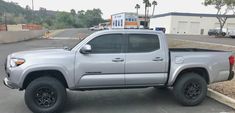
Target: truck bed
[[216, 62], [193, 50]]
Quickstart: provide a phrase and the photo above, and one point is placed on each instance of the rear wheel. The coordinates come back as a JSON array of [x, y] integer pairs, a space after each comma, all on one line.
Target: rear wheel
[[45, 95], [190, 89]]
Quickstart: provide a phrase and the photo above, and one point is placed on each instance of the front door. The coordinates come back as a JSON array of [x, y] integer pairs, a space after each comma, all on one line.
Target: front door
[[145, 60], [104, 66]]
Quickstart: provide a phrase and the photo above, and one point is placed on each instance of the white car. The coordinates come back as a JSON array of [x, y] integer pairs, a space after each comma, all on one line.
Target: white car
[[95, 28], [231, 33]]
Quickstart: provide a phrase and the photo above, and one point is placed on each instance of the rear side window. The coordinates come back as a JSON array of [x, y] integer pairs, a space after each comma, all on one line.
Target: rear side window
[[111, 43], [142, 43]]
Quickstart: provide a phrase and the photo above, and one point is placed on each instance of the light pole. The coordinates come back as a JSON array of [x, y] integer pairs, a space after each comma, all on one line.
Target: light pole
[[33, 11], [5, 20], [32, 5]]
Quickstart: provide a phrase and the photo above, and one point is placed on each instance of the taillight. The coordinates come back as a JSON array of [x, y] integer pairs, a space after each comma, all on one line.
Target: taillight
[[231, 60]]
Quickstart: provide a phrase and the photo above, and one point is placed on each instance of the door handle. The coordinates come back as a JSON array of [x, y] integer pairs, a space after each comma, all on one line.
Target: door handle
[[118, 60], [158, 59]]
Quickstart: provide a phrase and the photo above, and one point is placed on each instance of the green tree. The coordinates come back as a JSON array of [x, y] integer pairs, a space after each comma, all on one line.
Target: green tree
[[223, 7], [81, 21], [63, 20], [49, 19], [41, 15], [73, 12], [28, 14], [93, 17]]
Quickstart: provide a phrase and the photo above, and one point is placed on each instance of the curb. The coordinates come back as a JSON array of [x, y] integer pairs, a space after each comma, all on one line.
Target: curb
[[221, 98]]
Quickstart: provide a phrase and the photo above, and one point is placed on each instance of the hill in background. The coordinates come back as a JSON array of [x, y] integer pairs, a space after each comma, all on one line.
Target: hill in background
[[15, 14]]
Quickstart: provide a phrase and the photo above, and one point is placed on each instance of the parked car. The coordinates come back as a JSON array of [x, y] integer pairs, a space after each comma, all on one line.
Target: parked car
[[95, 28], [160, 29], [113, 59], [231, 33], [215, 32]]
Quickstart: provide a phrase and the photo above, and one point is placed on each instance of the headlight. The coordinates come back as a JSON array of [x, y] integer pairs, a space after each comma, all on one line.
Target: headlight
[[14, 62]]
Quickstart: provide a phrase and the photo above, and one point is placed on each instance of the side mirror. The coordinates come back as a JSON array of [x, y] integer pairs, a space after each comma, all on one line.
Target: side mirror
[[86, 49]]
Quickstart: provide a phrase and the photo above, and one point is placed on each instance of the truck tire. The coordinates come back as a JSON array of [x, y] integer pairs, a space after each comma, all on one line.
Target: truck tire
[[45, 95], [190, 89], [223, 34]]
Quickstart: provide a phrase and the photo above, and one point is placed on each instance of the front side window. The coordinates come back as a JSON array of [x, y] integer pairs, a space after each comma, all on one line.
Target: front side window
[[111, 43], [143, 43]]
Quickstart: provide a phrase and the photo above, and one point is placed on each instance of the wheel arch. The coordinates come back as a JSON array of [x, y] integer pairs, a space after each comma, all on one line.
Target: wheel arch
[[41, 73], [198, 70]]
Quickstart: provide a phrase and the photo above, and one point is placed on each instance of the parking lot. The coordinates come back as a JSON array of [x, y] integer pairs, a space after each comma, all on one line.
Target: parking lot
[[205, 39], [147, 100]]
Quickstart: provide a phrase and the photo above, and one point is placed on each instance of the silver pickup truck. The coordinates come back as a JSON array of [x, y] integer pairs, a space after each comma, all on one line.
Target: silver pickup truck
[[115, 59]]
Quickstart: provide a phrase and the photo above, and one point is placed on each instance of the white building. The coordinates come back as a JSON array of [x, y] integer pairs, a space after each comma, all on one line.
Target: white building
[[189, 23], [124, 20]]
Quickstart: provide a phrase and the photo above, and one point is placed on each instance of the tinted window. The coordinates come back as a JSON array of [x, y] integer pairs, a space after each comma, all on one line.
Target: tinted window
[[107, 44], [143, 43]]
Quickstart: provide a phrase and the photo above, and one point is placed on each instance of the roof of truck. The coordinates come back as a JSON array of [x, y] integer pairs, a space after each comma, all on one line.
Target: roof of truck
[[129, 31]]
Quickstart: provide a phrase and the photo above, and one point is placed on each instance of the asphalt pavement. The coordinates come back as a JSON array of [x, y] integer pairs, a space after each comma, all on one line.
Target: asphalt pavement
[[148, 100], [73, 34], [205, 38]]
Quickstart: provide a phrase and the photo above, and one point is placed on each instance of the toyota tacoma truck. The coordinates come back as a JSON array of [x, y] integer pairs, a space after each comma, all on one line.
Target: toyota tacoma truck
[[115, 59]]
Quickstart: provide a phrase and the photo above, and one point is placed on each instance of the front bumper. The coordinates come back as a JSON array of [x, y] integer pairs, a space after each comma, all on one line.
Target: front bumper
[[9, 84], [231, 75]]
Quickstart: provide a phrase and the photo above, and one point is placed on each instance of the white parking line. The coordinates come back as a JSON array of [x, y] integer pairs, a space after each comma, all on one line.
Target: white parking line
[[209, 43]]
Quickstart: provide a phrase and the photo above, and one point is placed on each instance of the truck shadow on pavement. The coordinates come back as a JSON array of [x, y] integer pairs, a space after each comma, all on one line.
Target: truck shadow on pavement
[[120, 101]]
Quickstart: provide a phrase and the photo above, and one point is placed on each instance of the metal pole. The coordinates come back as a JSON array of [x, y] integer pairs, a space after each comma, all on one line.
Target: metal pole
[[33, 11], [32, 5], [5, 19]]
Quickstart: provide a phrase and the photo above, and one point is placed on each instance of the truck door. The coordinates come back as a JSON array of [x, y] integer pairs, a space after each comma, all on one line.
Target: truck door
[[104, 65], [145, 60]]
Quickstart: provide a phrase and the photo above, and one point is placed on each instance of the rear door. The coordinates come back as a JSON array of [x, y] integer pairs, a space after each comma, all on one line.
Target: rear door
[[145, 60]]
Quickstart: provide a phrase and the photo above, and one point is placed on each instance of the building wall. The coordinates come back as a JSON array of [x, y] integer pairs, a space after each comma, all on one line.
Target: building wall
[[118, 21], [21, 27], [161, 22], [191, 25], [3, 28], [124, 20], [131, 20]]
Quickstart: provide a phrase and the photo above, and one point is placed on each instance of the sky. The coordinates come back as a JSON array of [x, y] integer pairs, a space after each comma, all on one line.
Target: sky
[[110, 7]]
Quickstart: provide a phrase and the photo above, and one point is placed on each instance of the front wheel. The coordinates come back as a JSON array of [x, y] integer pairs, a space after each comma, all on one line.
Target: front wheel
[[190, 89], [223, 34], [45, 95]]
